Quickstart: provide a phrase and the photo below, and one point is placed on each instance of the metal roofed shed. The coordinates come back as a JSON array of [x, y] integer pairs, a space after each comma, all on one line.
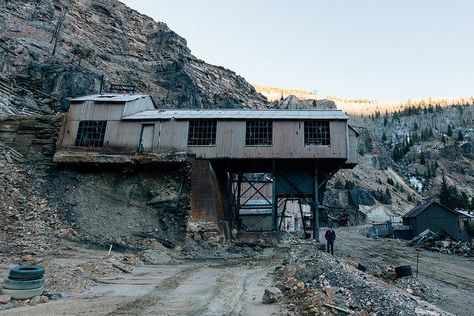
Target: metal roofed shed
[[437, 217], [239, 115]]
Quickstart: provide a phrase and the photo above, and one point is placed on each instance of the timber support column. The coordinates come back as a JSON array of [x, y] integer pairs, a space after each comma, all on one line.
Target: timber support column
[[274, 199], [315, 207]]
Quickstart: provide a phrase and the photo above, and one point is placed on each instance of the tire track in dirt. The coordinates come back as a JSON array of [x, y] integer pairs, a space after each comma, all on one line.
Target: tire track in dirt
[[140, 305]]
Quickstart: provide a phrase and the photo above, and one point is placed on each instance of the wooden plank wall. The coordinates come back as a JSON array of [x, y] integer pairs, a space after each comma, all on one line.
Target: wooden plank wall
[[171, 136]]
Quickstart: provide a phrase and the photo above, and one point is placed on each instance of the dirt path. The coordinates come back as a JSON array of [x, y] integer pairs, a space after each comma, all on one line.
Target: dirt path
[[450, 274], [193, 288]]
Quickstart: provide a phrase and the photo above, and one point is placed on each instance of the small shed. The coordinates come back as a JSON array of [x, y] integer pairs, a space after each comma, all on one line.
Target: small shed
[[437, 217]]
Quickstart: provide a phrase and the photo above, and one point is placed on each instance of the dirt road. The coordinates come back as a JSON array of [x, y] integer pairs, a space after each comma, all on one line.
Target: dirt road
[[192, 288], [452, 275]]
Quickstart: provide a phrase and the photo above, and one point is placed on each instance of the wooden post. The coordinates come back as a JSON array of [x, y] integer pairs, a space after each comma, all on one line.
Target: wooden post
[[315, 207], [274, 201]]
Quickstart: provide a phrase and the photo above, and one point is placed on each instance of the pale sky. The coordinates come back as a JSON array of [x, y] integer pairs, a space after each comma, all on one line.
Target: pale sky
[[377, 49]]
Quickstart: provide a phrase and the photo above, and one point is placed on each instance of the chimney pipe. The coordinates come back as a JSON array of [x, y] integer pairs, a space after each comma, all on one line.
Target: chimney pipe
[[101, 83]]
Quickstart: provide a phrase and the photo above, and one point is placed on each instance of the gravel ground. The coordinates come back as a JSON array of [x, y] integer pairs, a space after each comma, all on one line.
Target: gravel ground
[[451, 276]]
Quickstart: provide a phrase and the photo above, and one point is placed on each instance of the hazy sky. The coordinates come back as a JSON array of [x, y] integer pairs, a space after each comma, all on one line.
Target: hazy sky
[[379, 49]]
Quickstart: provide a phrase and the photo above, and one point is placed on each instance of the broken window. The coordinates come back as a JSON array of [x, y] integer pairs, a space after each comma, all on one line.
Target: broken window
[[316, 133], [259, 133], [91, 133], [202, 133]]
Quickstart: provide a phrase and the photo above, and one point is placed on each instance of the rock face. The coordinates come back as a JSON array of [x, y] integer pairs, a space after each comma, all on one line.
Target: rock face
[[64, 47], [292, 102], [33, 137]]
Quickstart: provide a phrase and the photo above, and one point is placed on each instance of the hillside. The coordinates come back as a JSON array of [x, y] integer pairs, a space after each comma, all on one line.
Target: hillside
[[63, 48], [402, 160]]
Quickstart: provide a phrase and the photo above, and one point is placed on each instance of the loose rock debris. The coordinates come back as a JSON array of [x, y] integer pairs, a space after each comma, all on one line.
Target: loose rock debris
[[442, 243], [315, 283]]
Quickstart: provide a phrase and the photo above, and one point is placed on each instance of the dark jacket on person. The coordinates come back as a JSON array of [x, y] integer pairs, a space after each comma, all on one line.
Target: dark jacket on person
[[330, 236]]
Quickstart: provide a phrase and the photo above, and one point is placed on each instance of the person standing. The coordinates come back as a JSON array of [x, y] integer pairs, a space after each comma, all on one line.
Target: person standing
[[330, 238]]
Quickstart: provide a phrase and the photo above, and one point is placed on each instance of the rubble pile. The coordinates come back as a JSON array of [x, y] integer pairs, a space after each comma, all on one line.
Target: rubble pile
[[442, 243], [409, 284], [28, 224], [315, 283]]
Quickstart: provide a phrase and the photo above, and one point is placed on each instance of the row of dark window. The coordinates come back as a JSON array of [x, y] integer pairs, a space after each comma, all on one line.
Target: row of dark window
[[257, 133], [203, 133]]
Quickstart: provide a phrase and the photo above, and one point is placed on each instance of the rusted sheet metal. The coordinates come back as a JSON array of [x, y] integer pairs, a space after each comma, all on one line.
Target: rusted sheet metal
[[381, 230], [206, 197]]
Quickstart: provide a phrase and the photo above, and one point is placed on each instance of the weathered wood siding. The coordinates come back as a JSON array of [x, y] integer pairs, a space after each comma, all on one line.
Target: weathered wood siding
[[172, 135], [437, 218]]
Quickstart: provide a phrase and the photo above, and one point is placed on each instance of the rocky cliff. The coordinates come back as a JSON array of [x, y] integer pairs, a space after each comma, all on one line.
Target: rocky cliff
[[65, 47]]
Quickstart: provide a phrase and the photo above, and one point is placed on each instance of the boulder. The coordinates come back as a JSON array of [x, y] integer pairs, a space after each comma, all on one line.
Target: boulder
[[271, 295], [5, 299]]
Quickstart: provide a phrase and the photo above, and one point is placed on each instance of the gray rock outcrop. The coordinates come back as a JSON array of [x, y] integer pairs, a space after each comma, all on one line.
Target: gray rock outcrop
[[65, 47]]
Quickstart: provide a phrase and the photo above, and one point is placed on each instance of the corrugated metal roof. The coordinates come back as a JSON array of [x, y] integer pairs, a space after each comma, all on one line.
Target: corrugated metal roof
[[238, 114], [109, 97], [417, 210]]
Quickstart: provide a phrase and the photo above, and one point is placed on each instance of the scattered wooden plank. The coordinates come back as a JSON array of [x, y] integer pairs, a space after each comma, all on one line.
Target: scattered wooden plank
[[340, 309], [121, 268]]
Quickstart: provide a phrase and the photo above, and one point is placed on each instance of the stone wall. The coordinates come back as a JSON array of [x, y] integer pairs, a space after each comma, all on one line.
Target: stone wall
[[32, 136]]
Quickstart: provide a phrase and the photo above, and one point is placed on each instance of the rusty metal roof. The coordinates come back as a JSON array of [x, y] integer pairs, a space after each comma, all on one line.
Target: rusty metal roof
[[238, 115], [109, 97]]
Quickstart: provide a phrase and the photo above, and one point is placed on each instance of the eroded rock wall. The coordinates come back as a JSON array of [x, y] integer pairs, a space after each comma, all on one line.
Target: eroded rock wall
[[66, 46]]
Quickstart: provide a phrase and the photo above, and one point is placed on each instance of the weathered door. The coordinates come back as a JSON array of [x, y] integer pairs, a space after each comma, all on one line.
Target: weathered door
[[146, 137]]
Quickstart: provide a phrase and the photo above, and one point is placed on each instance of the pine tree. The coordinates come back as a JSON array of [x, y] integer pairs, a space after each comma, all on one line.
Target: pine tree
[[460, 136], [444, 192], [450, 131], [338, 184], [422, 158], [384, 137]]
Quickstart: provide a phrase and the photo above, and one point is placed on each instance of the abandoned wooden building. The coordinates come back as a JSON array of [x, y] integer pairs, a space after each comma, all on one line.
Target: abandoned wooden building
[[436, 217], [295, 151]]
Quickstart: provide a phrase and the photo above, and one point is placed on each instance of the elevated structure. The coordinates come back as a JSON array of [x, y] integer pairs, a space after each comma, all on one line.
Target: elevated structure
[[293, 152]]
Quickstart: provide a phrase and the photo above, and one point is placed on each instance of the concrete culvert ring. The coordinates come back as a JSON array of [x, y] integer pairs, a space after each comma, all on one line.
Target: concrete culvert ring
[[23, 294], [10, 284], [26, 273]]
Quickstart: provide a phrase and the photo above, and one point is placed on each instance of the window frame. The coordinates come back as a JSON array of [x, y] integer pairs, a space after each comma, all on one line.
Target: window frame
[[212, 132], [247, 133], [312, 141], [88, 125]]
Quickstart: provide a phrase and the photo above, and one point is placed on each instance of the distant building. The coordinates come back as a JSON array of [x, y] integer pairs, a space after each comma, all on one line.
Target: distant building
[[437, 217]]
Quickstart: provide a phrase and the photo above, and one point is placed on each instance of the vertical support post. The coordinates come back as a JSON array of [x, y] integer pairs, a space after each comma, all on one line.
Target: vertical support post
[[274, 199], [315, 207], [237, 200]]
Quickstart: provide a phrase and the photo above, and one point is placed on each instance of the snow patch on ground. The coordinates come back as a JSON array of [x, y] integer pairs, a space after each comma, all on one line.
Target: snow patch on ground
[[416, 184]]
